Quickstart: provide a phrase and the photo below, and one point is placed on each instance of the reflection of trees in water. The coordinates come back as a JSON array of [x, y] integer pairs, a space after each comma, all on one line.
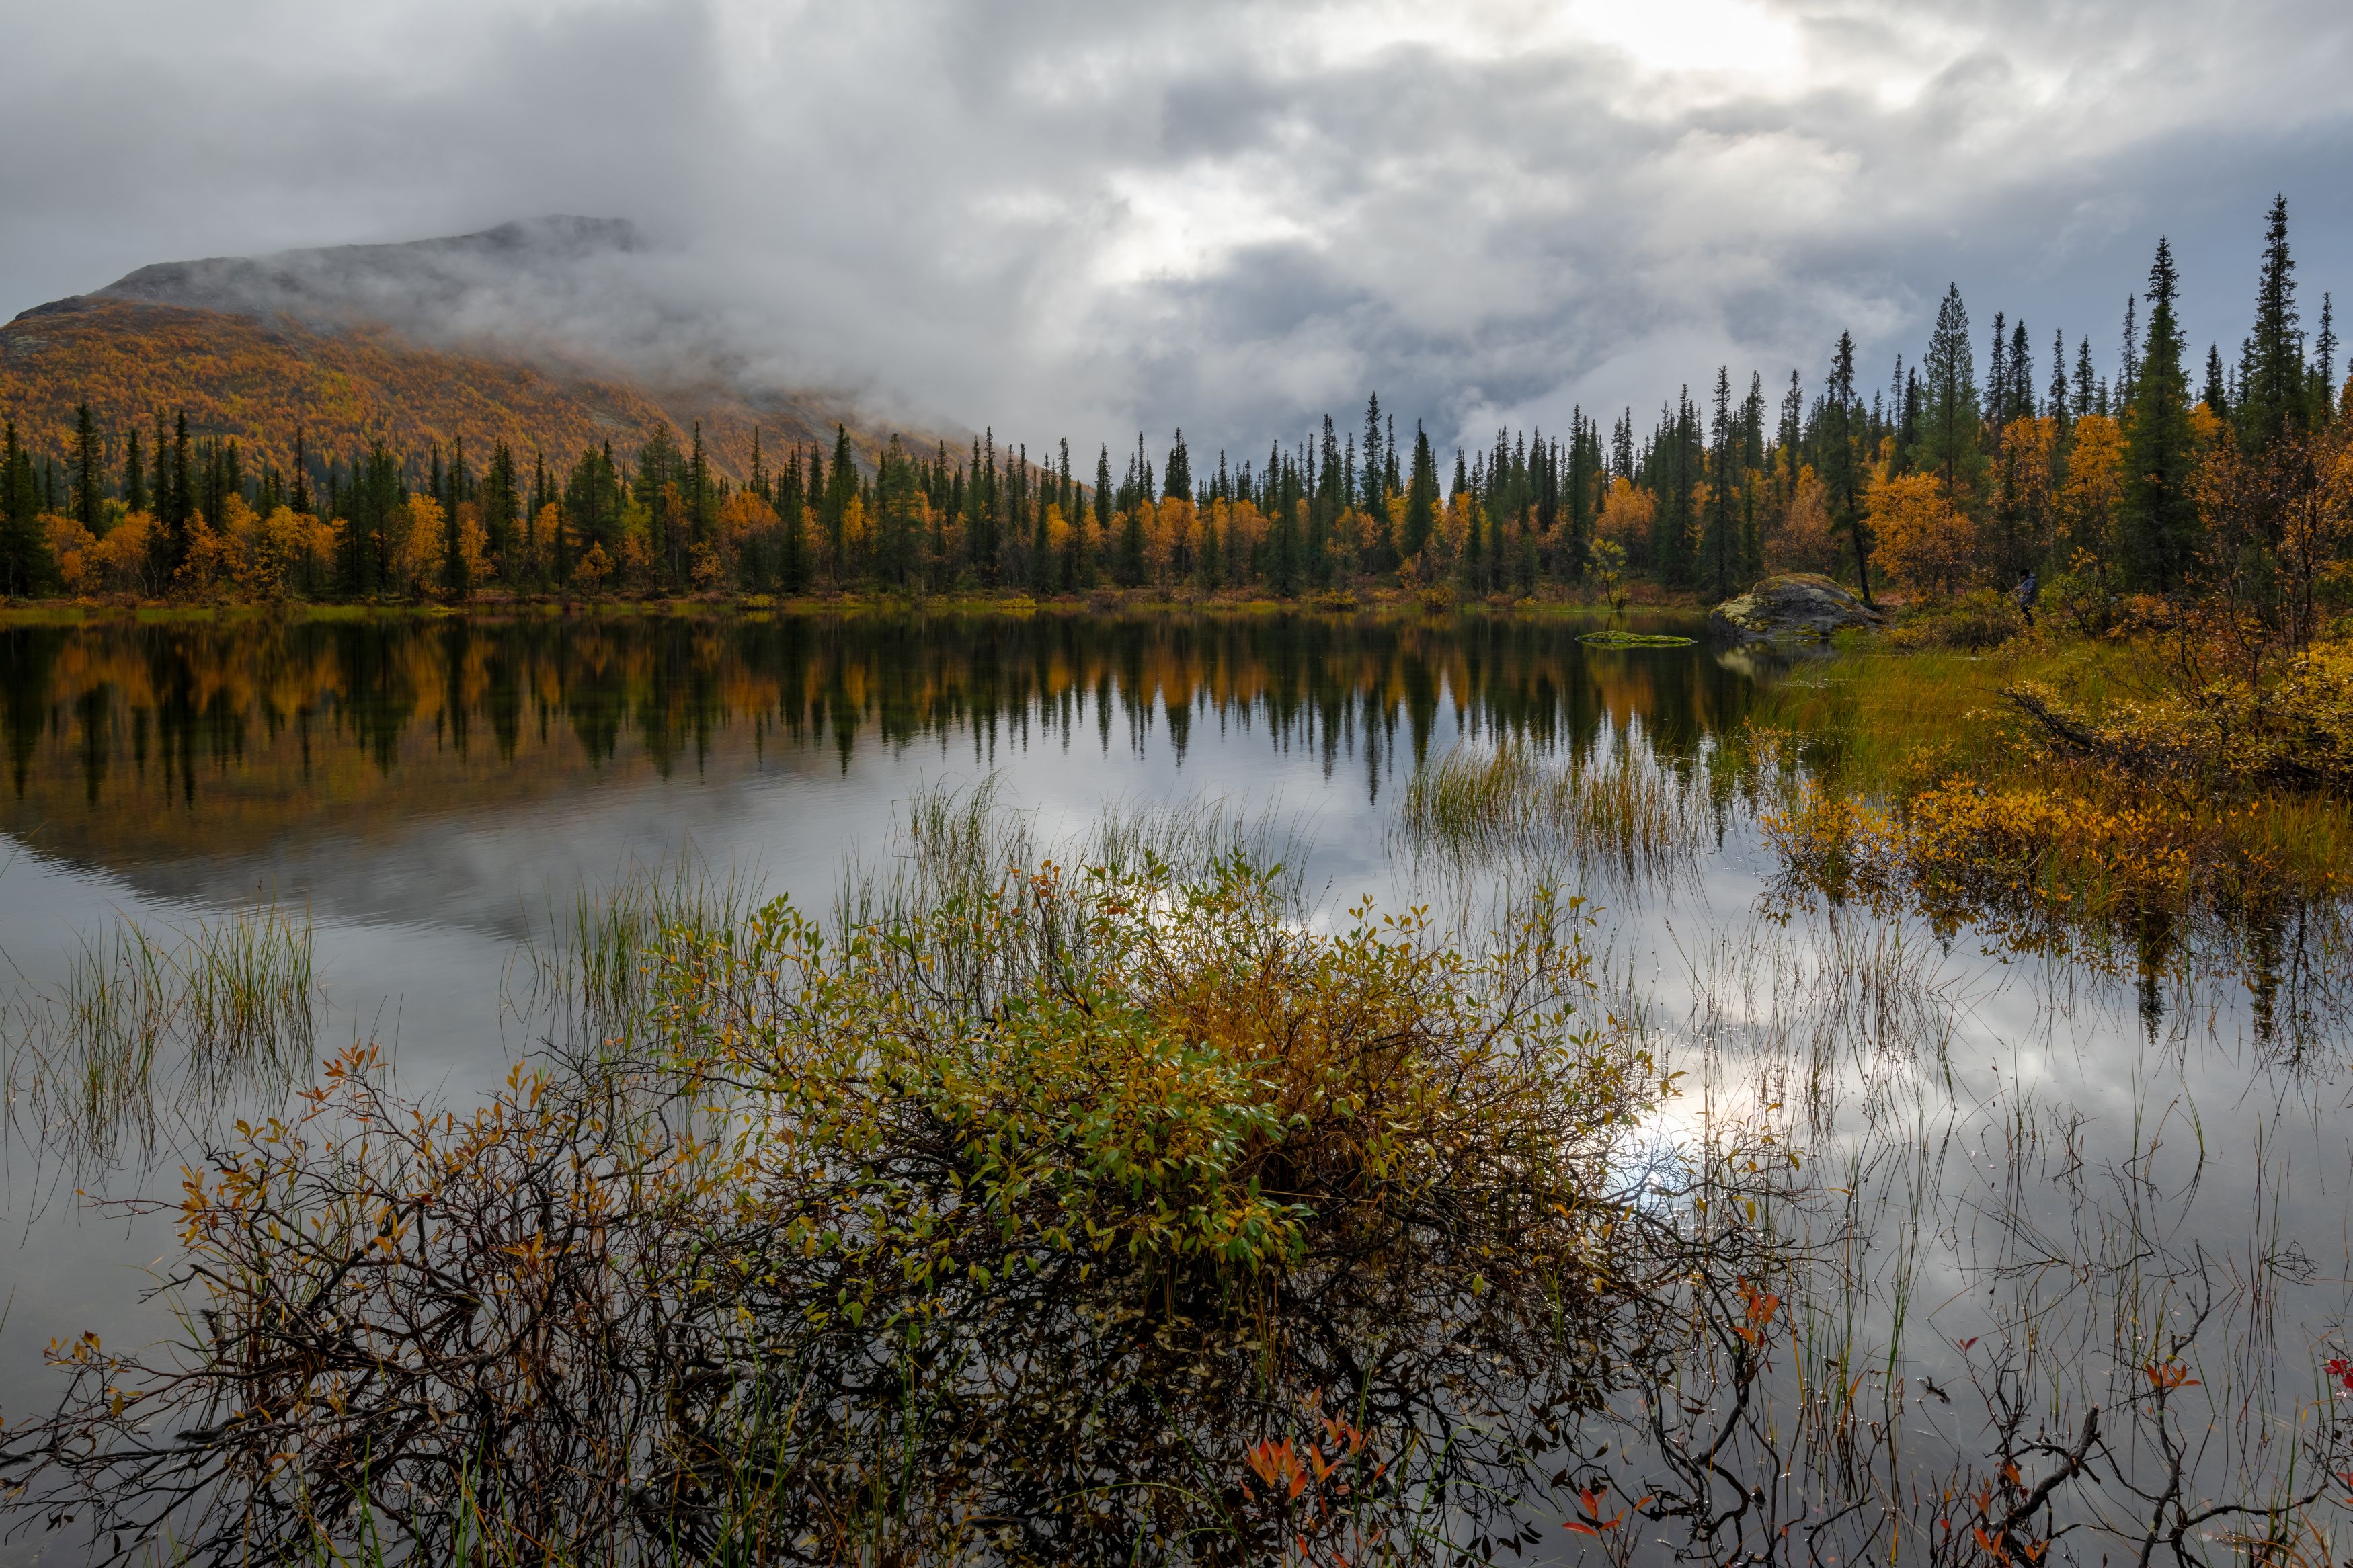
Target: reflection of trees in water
[[275, 720]]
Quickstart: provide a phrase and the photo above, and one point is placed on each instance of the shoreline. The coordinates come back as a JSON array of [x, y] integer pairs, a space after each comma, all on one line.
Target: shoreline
[[1389, 604]]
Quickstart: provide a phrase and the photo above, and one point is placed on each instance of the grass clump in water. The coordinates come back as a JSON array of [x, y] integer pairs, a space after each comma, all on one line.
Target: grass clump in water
[[1615, 811], [149, 1026], [1618, 638]]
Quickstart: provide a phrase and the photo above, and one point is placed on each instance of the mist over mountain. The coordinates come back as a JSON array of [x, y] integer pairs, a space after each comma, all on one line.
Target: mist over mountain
[[462, 284], [577, 295], [546, 333]]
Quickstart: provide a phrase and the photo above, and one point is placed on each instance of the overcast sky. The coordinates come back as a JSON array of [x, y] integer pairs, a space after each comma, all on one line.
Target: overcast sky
[[1086, 217]]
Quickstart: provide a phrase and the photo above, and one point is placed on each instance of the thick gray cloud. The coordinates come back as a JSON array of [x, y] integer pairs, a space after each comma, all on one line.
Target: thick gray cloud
[[1087, 217]]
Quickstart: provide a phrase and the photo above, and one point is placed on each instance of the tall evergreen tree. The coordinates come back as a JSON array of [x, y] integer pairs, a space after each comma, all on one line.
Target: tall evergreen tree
[[1997, 388], [22, 550], [2128, 365], [502, 505], [2275, 403], [88, 480], [1178, 480], [2217, 395], [1841, 469], [1720, 551], [1373, 497], [177, 507], [702, 495], [2055, 406], [2323, 402], [2156, 516], [134, 474], [1420, 497], [2018, 401], [841, 488], [1948, 423]]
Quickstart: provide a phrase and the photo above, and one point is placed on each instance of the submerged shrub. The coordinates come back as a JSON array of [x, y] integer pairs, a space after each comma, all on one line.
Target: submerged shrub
[[1029, 1216]]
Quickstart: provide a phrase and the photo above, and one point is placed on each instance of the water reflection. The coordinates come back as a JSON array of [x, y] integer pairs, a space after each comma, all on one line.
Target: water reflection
[[128, 744], [2021, 1174]]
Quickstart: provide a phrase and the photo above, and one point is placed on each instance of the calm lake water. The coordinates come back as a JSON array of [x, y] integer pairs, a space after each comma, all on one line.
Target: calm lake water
[[2031, 1156]]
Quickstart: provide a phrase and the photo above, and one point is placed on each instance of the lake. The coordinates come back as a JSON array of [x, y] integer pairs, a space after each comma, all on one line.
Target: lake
[[2032, 1173]]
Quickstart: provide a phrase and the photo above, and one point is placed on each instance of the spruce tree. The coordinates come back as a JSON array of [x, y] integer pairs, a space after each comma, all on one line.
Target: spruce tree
[[87, 459], [1840, 469], [20, 508], [2128, 367], [841, 488], [2275, 402], [1789, 440], [1130, 565], [702, 495], [2055, 407], [2156, 514], [2019, 399], [177, 508], [1720, 542], [26, 564], [1948, 424], [1420, 496], [134, 475], [2324, 386], [1177, 480], [1997, 388], [502, 501]]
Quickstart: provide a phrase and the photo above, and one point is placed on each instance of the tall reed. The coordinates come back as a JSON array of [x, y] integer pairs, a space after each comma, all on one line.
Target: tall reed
[[1623, 812], [151, 1026]]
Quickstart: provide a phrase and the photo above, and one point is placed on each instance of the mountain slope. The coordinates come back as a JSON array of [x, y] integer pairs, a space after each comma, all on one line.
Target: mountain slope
[[421, 286], [409, 344]]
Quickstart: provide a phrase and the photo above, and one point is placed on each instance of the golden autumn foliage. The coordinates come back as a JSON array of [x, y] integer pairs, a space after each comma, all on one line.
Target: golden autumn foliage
[[1803, 540], [743, 518], [2087, 500], [1925, 542], [1626, 516], [2021, 518]]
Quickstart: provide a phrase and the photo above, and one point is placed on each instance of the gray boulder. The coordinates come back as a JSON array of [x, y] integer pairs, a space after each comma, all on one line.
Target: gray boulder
[[1792, 604]]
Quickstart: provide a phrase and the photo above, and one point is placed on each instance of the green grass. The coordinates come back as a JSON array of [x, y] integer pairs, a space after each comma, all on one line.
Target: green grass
[[1621, 812], [1877, 721], [150, 1026], [1614, 639]]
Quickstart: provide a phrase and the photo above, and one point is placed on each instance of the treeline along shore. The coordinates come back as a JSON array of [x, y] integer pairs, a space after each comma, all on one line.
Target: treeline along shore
[[2140, 476]]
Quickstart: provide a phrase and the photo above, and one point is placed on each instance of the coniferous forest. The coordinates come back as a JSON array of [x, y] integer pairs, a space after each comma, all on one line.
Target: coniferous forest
[[1993, 453]]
